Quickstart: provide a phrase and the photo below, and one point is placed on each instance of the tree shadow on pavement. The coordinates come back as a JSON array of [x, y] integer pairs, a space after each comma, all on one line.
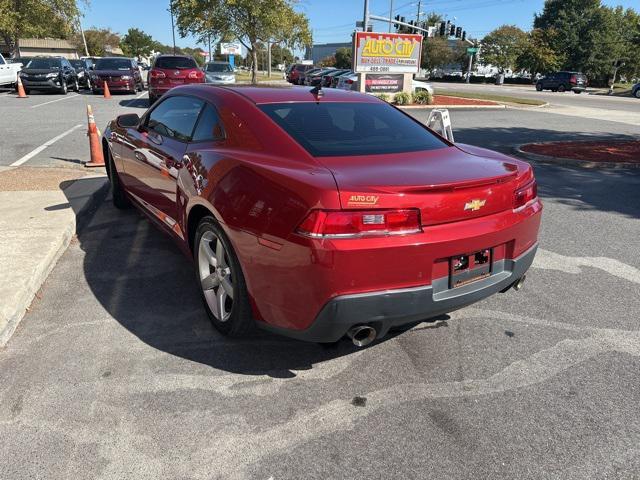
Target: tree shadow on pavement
[[608, 190]]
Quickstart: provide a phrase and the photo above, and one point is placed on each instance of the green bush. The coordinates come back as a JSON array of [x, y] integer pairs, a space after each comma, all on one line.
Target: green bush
[[383, 96], [402, 98], [422, 97]]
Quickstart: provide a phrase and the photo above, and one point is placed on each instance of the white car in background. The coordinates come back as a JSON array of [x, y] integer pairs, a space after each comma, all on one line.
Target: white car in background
[[348, 82], [221, 73], [9, 72]]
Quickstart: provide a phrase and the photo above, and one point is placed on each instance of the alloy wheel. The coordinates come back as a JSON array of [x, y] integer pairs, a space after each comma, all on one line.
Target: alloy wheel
[[216, 276]]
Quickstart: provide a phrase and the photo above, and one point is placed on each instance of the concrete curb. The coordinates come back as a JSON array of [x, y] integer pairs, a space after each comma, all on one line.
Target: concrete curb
[[570, 162], [83, 197]]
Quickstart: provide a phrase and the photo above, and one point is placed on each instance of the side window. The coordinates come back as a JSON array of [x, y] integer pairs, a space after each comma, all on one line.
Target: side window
[[209, 126], [175, 117]]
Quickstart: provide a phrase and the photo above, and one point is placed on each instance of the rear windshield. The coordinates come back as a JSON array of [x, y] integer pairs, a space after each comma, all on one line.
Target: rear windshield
[[44, 63], [113, 64], [179, 63], [219, 67], [344, 129]]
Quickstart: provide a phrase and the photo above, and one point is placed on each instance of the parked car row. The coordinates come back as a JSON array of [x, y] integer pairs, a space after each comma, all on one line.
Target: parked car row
[[302, 74]]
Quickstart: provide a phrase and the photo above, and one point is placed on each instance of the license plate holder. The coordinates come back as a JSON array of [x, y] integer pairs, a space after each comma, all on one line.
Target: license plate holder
[[470, 267]]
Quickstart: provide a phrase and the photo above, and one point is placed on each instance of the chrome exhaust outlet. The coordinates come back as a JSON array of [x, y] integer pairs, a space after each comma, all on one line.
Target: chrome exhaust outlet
[[362, 335], [518, 284]]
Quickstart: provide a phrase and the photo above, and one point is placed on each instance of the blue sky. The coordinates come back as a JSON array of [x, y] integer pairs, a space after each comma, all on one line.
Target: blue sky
[[331, 20]]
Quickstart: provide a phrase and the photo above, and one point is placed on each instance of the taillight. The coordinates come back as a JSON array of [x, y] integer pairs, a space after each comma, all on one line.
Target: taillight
[[525, 194], [196, 74], [349, 81], [350, 224], [573, 79], [157, 74]]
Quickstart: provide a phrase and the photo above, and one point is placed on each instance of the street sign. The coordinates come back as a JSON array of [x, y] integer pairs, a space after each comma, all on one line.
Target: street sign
[[472, 50], [232, 48]]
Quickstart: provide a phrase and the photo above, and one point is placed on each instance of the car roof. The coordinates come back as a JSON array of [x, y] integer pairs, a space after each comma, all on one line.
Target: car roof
[[279, 94]]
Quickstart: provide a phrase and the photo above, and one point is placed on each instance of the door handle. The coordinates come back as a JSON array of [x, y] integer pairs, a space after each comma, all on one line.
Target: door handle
[[140, 156]]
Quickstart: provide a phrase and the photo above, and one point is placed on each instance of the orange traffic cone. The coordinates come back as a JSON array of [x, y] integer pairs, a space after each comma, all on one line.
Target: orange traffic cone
[[107, 93], [97, 158], [21, 92]]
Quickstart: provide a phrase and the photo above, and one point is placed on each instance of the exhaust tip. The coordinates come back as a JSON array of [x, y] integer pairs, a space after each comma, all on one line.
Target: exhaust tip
[[362, 335], [517, 286]]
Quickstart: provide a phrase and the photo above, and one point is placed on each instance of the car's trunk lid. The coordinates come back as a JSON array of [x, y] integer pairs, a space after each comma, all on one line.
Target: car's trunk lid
[[447, 184]]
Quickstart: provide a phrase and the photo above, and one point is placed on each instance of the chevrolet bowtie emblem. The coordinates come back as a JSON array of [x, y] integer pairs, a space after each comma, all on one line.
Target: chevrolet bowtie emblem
[[474, 205]]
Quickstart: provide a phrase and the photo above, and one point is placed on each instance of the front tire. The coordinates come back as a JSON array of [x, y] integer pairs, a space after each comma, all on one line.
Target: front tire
[[120, 199], [220, 279], [539, 87], [637, 94]]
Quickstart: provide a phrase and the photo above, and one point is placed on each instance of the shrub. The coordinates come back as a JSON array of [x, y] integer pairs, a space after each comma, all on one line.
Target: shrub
[[422, 97], [401, 98], [383, 96]]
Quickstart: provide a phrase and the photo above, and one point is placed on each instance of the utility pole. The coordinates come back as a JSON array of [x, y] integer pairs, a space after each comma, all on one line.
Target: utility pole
[[365, 19], [84, 40], [209, 42], [390, 14], [419, 12], [173, 30], [469, 68], [269, 59]]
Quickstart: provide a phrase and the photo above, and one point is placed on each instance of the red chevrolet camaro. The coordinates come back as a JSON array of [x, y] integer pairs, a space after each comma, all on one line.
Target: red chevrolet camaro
[[319, 215]]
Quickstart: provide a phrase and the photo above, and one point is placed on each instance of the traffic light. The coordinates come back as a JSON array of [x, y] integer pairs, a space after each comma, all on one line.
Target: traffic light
[[458, 32], [397, 25], [452, 30], [443, 27], [464, 35], [413, 24]]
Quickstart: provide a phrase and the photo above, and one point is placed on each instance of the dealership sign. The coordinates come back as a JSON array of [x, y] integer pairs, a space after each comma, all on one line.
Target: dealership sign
[[387, 52], [382, 83], [234, 48]]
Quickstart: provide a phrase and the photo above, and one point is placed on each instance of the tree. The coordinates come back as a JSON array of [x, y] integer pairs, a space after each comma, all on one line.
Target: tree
[[250, 21], [136, 43], [36, 18], [502, 47], [538, 56], [590, 37], [329, 61], [280, 55], [343, 57], [436, 53], [98, 39]]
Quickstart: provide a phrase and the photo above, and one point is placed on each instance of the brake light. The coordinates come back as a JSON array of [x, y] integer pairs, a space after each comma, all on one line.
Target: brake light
[[349, 81], [157, 74], [196, 74], [573, 79], [525, 195], [351, 224]]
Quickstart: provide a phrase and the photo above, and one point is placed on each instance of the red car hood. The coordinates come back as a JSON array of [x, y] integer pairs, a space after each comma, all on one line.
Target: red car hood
[[447, 184]]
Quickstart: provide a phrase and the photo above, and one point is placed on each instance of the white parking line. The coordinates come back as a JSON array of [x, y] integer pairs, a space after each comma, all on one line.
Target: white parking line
[[130, 102], [33, 153], [57, 100]]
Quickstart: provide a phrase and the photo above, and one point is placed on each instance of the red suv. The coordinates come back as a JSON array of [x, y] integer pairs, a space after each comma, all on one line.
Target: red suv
[[169, 71], [297, 71]]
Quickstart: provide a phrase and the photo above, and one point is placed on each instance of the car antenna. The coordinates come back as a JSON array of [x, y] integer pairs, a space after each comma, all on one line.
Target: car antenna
[[317, 91]]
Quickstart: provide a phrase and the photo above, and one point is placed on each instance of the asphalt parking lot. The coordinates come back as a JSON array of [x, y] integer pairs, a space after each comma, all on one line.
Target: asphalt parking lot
[[116, 371]]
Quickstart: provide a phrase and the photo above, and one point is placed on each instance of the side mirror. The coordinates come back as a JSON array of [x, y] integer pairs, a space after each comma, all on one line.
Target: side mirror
[[128, 120]]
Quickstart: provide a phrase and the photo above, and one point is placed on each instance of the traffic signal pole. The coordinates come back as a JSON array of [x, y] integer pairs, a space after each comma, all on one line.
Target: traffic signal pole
[[365, 19]]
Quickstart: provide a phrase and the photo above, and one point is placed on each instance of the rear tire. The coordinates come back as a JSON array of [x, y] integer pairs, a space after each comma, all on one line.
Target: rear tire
[[561, 88], [26, 91], [120, 199], [637, 94], [539, 87], [152, 99], [220, 280]]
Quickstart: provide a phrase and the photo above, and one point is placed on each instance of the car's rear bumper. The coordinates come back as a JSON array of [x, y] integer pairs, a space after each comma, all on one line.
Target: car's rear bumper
[[392, 308]]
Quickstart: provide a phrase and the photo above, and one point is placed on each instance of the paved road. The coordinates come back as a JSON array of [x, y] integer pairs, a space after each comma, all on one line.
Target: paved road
[[116, 372], [27, 124], [628, 104]]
